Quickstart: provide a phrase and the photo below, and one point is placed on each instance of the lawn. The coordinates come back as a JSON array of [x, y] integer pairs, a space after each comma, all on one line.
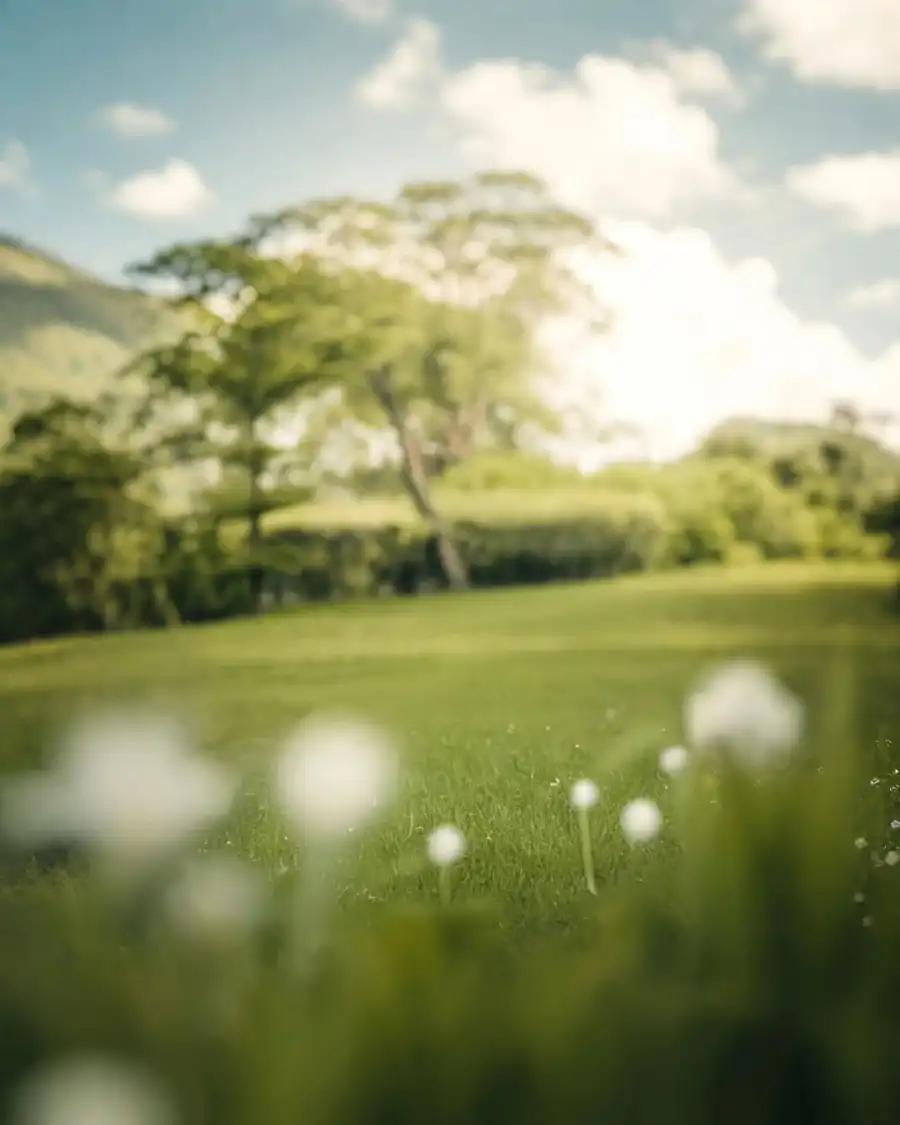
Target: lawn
[[500, 700], [499, 506]]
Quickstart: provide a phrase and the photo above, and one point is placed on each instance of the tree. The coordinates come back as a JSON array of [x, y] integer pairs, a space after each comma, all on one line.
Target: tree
[[443, 291], [247, 361], [78, 527]]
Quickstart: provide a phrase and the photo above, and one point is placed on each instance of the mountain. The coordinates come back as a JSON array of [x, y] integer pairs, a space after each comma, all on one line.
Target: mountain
[[63, 331], [770, 440]]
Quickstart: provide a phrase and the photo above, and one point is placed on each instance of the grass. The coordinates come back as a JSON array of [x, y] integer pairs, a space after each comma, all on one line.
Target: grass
[[501, 506], [501, 699], [65, 332]]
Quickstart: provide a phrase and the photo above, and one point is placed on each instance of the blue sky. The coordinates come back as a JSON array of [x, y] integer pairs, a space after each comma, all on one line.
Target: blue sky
[[263, 98]]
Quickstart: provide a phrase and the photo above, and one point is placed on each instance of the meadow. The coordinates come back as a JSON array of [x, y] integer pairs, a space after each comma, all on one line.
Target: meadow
[[500, 700], [739, 965]]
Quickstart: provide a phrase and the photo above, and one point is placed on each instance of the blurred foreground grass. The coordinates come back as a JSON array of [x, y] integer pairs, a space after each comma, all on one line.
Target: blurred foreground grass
[[742, 966]]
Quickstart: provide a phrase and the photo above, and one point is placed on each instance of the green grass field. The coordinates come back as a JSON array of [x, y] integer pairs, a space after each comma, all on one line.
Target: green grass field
[[500, 699], [499, 506]]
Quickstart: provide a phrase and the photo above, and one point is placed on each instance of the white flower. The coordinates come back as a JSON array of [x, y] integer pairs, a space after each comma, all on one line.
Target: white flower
[[584, 794], [860, 843], [88, 1090], [641, 820], [673, 760], [446, 845], [214, 895], [892, 858], [125, 785], [334, 775], [742, 706]]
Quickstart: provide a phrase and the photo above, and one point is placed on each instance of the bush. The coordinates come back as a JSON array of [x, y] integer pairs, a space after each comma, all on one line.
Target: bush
[[697, 533], [201, 572], [317, 565], [744, 554]]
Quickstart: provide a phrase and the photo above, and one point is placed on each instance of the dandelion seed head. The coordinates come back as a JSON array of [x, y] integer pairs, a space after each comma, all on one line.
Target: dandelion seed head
[[88, 1090], [126, 785], [446, 845], [334, 775], [743, 708], [584, 794], [673, 760], [640, 820]]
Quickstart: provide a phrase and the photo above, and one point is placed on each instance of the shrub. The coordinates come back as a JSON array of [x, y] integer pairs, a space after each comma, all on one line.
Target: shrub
[[697, 533], [744, 554], [315, 565]]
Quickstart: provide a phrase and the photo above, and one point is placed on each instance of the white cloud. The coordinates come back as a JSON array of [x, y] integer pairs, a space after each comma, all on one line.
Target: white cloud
[[613, 137], [15, 167], [864, 188], [843, 42], [130, 120], [171, 192], [366, 11], [409, 71], [697, 70], [696, 339], [879, 295]]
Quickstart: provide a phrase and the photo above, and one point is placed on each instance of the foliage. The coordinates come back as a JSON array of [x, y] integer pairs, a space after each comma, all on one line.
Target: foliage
[[240, 373], [77, 533], [410, 324], [516, 471], [440, 293], [723, 510], [327, 564]]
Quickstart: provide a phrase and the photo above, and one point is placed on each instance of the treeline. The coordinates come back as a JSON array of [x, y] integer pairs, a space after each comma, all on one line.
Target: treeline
[[84, 545], [402, 334]]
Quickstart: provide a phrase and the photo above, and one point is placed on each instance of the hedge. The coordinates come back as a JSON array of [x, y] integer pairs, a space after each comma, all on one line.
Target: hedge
[[203, 575]]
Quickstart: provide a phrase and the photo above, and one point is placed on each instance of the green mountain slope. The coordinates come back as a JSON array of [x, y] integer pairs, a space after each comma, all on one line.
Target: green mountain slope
[[65, 332]]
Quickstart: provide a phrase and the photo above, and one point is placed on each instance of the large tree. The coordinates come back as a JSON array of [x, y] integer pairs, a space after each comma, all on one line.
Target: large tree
[[247, 361], [442, 293]]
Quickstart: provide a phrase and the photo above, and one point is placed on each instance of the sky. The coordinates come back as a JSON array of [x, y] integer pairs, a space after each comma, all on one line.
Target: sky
[[744, 153]]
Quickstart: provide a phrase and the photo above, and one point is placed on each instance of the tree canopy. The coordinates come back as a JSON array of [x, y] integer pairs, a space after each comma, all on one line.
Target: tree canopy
[[419, 316]]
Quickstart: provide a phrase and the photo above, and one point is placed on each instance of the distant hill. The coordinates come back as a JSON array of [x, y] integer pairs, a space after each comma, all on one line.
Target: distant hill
[[63, 331], [770, 440]]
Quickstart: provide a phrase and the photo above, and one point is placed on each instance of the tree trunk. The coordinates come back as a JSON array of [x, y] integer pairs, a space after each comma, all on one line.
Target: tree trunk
[[256, 572], [415, 481]]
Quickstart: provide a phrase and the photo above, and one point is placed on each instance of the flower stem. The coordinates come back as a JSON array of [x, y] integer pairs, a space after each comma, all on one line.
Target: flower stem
[[587, 853], [311, 906], [444, 884]]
